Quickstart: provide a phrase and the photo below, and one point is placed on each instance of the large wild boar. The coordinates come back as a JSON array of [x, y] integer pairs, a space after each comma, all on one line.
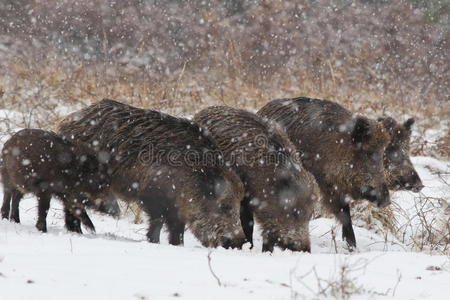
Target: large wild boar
[[343, 151], [400, 172], [162, 163], [278, 191], [45, 164]]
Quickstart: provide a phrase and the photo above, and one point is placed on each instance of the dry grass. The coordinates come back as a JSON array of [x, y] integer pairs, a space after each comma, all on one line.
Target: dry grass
[[42, 88], [428, 228], [343, 283]]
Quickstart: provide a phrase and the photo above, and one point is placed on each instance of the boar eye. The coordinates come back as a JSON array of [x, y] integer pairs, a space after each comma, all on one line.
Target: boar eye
[[374, 155], [225, 208], [394, 154]]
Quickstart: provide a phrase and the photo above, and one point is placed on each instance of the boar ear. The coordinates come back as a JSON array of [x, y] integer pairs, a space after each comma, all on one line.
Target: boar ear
[[388, 123], [409, 123], [361, 132]]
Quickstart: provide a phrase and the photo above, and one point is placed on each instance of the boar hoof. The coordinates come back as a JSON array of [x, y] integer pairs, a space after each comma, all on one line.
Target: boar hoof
[[41, 226]]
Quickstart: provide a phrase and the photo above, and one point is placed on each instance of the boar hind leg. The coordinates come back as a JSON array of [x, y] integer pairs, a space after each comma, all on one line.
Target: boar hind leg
[[6, 204], [154, 229], [247, 221], [154, 203], [43, 207], [176, 230], [16, 197], [347, 228], [72, 221], [269, 242], [83, 216]]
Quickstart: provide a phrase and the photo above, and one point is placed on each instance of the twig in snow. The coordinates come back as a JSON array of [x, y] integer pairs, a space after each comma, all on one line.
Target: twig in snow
[[399, 278], [333, 237], [211, 270]]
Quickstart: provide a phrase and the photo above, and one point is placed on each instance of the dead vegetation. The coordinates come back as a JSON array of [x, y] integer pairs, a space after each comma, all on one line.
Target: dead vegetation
[[47, 90], [343, 283], [430, 226]]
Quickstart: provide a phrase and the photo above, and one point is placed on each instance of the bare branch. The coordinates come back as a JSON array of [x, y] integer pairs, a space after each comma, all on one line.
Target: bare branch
[[211, 269]]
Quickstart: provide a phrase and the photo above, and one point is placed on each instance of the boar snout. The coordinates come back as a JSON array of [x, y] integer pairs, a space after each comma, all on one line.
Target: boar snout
[[110, 206], [233, 242], [413, 183], [417, 188], [297, 247], [379, 196]]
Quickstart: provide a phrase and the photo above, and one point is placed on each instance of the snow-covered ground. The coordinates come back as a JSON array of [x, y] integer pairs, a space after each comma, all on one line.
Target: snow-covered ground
[[118, 263]]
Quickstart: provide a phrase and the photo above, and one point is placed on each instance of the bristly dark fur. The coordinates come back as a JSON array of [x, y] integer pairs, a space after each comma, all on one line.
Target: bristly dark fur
[[43, 163], [205, 195], [344, 152], [118, 128], [278, 193]]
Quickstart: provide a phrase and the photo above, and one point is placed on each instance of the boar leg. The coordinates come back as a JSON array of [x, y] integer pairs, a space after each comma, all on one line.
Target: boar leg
[[16, 197], [247, 221], [6, 204], [82, 214], [43, 207], [72, 222], [347, 229], [154, 203], [154, 229], [176, 230], [269, 242]]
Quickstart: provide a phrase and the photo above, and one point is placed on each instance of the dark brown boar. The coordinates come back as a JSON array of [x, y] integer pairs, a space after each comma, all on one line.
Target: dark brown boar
[[164, 164], [343, 151], [399, 171], [43, 163], [278, 192]]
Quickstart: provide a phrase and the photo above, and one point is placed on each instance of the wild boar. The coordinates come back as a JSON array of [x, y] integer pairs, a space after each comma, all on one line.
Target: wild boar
[[163, 163], [278, 191], [342, 150], [45, 164]]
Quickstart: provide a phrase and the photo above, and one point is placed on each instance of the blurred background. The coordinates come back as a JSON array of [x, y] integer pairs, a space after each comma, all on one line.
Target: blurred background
[[389, 57]]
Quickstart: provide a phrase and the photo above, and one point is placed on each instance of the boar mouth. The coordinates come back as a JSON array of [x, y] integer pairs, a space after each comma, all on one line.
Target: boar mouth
[[409, 185], [295, 247], [417, 188], [378, 196], [233, 243], [383, 204]]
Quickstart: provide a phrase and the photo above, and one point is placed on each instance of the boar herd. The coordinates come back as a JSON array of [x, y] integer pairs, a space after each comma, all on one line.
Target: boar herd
[[217, 174]]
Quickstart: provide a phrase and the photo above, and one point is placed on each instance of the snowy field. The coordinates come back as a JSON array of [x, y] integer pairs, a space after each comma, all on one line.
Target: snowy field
[[118, 263]]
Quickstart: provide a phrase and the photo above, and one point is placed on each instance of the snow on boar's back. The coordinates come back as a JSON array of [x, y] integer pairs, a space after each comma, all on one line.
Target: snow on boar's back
[[343, 151], [399, 170], [45, 164], [279, 193], [166, 165]]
